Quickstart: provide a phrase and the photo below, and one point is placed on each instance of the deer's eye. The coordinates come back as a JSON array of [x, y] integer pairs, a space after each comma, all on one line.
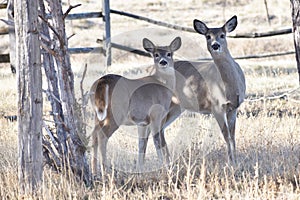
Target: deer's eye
[[222, 36], [169, 54], [208, 37], [156, 55]]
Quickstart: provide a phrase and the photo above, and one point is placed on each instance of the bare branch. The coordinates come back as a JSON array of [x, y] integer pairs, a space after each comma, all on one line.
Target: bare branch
[[69, 10], [52, 159], [49, 25], [70, 36], [83, 97], [267, 11], [50, 134], [45, 37], [53, 29], [51, 51], [52, 95], [8, 22], [83, 76]]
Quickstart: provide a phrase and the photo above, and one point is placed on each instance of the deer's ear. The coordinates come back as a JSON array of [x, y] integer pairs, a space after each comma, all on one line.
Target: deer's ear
[[231, 24], [200, 27], [148, 45], [175, 44]]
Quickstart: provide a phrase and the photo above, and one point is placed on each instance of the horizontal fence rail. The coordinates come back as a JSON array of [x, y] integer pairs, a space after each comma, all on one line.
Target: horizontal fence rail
[[257, 56], [265, 34], [152, 21], [128, 49], [4, 58], [187, 29], [87, 15], [3, 5]]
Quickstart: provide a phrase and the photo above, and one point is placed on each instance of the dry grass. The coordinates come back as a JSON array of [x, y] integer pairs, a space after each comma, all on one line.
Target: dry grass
[[267, 136], [268, 156]]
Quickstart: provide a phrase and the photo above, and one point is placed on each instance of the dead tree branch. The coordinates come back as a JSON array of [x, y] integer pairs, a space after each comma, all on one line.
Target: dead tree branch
[[84, 96], [69, 10], [53, 30]]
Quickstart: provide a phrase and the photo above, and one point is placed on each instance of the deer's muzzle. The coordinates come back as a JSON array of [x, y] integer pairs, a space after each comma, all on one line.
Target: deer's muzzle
[[215, 46]]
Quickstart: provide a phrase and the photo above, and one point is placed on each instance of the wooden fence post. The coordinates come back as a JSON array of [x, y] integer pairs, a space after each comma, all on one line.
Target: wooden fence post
[[295, 6], [106, 35], [12, 36]]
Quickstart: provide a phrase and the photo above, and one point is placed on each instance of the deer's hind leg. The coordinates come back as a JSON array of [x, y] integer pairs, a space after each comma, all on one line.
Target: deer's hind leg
[[95, 161], [100, 136]]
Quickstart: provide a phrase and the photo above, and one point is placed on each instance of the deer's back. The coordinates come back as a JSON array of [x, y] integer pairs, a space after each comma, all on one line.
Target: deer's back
[[130, 100], [199, 85]]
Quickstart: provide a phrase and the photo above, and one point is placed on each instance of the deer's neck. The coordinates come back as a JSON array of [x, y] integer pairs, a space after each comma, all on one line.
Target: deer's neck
[[228, 68], [232, 76], [166, 77]]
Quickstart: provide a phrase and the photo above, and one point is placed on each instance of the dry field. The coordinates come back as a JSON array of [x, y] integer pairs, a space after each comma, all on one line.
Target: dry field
[[268, 129]]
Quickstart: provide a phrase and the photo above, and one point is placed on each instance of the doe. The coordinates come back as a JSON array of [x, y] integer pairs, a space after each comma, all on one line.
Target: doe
[[144, 102], [216, 87]]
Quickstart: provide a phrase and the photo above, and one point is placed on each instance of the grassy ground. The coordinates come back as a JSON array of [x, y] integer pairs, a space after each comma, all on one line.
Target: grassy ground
[[267, 135], [267, 149]]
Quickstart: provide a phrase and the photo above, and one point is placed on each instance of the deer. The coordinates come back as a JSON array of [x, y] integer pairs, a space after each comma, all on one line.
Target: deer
[[216, 87], [144, 102]]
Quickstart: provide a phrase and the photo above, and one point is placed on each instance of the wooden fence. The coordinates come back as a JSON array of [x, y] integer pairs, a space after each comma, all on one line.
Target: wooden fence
[[107, 44]]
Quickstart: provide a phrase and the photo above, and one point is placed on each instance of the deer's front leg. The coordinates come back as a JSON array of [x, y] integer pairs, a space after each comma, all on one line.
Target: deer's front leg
[[159, 138], [222, 120]]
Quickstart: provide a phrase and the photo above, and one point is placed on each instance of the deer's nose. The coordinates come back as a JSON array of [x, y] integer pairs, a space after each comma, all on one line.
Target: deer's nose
[[163, 62], [215, 46]]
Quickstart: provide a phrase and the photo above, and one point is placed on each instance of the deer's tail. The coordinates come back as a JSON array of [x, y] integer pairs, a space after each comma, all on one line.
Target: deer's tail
[[101, 109]]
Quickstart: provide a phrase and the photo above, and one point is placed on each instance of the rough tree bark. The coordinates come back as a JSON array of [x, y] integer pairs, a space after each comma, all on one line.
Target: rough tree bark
[[61, 94], [52, 94], [30, 102], [295, 7]]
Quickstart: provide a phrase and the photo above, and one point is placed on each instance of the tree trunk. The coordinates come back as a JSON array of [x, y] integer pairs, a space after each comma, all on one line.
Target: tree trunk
[[69, 132], [30, 100], [54, 98], [295, 6]]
